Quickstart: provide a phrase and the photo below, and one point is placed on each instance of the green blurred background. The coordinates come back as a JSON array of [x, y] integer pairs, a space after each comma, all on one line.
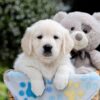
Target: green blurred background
[[17, 15]]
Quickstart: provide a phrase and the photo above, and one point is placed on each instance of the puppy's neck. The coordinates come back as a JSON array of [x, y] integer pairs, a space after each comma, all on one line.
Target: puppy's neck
[[55, 62], [49, 62]]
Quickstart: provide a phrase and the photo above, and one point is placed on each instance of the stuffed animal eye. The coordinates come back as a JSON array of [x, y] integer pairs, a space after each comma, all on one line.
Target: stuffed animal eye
[[40, 37], [86, 28], [56, 37], [85, 31], [72, 28]]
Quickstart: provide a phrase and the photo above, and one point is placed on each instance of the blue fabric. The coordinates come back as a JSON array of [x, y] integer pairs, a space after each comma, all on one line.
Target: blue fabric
[[80, 87]]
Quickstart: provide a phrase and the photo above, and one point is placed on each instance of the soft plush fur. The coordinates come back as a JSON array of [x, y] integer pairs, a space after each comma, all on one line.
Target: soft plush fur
[[46, 46], [87, 58]]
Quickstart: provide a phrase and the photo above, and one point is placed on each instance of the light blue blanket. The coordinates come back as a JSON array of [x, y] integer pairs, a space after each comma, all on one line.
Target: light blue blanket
[[80, 87]]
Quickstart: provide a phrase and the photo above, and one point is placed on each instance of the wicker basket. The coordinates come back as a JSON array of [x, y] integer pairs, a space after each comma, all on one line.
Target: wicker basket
[[97, 96], [10, 97]]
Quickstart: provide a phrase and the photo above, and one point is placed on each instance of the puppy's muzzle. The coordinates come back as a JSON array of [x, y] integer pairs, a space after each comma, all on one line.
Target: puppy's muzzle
[[47, 50]]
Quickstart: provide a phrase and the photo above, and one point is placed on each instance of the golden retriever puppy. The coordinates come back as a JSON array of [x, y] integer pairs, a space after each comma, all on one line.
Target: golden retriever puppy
[[46, 54]]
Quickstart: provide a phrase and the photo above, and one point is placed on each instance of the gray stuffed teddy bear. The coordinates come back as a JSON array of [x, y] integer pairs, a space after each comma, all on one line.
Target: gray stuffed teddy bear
[[85, 30]]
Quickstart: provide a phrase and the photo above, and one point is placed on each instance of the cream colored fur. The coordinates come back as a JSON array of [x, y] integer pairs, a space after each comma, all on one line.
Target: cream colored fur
[[35, 65]]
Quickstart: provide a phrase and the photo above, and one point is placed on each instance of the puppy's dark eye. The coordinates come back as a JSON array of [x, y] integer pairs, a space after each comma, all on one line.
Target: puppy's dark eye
[[40, 37], [56, 37], [72, 28]]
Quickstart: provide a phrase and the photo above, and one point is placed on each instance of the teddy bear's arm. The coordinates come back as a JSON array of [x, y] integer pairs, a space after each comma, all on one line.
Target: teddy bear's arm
[[95, 57]]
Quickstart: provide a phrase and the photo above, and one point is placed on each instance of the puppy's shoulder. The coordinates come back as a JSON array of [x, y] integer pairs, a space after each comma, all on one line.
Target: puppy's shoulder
[[24, 60], [67, 57]]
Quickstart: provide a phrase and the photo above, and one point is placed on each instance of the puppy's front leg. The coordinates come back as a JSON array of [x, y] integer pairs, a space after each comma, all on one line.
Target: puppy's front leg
[[35, 77], [62, 76]]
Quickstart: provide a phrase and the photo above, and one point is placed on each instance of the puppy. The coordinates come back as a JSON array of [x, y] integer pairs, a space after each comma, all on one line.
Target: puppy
[[46, 46]]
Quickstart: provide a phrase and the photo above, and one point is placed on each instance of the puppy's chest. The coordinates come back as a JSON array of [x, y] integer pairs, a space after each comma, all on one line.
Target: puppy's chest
[[48, 72]]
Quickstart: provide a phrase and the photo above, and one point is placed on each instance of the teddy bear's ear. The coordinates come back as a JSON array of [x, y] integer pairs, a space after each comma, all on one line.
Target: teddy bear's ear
[[59, 16], [97, 16]]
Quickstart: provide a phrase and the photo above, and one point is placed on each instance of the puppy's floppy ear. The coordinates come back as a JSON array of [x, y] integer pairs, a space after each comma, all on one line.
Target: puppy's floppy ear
[[59, 16], [68, 43], [26, 42]]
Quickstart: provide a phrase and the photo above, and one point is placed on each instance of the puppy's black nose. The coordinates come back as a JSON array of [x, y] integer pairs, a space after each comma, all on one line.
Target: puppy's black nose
[[47, 48]]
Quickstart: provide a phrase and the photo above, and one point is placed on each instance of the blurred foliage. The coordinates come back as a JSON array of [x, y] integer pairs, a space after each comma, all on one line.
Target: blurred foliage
[[2, 70], [3, 92], [15, 16]]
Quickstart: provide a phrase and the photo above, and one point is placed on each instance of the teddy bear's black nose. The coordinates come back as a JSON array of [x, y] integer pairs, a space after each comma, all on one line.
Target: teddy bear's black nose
[[47, 48], [78, 37]]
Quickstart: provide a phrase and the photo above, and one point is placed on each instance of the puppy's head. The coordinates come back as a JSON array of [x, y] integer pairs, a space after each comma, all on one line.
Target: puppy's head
[[47, 40]]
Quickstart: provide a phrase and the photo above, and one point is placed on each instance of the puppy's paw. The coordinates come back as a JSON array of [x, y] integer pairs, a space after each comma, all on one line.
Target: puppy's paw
[[84, 70], [37, 88], [60, 82]]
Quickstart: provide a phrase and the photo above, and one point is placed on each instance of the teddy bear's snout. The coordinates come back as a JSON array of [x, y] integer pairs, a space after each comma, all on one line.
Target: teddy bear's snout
[[78, 37], [80, 40]]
